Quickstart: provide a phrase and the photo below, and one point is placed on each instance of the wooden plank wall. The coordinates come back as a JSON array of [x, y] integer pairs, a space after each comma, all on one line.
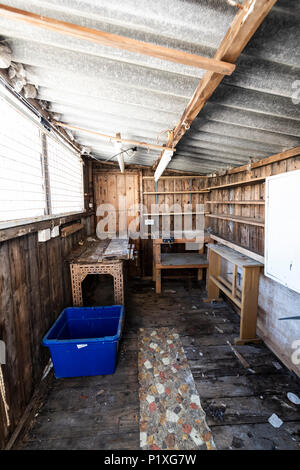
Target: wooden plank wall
[[187, 200], [243, 234], [122, 191], [274, 300], [278, 335], [34, 288]]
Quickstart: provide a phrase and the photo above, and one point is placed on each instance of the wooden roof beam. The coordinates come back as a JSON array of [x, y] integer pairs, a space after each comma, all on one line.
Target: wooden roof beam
[[241, 30], [116, 41], [278, 157]]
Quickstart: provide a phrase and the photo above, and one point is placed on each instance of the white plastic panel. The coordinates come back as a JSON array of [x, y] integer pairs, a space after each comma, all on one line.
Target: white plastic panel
[[282, 230]]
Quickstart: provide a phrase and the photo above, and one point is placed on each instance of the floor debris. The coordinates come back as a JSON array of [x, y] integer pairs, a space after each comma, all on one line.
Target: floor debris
[[275, 421], [293, 398], [216, 412], [237, 443], [219, 329], [240, 357]]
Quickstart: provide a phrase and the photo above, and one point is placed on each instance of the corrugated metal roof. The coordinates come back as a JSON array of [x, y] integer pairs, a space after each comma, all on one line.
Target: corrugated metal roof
[[251, 114]]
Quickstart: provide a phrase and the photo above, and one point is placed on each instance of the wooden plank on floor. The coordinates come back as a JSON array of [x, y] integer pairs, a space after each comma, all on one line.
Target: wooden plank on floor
[[261, 436], [243, 410], [244, 386]]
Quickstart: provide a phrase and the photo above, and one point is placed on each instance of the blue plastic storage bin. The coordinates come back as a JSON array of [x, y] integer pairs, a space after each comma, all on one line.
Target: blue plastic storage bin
[[84, 341]]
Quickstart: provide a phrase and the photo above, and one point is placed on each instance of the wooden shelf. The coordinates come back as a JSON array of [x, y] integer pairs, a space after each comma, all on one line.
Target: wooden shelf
[[240, 219], [182, 261], [246, 203], [238, 183], [66, 231], [183, 177], [246, 298], [234, 257], [174, 213], [148, 193], [238, 248]]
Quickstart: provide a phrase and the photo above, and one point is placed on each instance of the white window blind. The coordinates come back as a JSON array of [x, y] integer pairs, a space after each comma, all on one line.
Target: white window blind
[[21, 178], [65, 178]]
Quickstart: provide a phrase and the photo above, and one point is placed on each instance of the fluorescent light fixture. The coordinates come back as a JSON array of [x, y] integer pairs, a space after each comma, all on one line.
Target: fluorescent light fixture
[[164, 162], [121, 162], [120, 157]]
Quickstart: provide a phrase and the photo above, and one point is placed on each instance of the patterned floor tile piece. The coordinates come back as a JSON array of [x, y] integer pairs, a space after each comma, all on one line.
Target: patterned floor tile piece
[[171, 416]]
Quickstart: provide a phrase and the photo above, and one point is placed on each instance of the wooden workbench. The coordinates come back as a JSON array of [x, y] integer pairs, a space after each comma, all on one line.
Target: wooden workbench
[[99, 257], [190, 260], [246, 298]]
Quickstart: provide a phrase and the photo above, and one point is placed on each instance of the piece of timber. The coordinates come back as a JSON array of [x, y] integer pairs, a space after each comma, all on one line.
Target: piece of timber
[[20, 230], [238, 248], [237, 183], [66, 231], [120, 42], [233, 256], [176, 192], [239, 219], [241, 30], [243, 203], [278, 157], [226, 291]]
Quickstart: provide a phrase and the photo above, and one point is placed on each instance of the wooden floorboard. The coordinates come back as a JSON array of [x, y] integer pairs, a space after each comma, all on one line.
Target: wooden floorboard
[[103, 412]]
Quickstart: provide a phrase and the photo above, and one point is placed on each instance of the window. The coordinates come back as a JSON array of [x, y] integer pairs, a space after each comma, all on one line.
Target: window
[[65, 178], [21, 177], [39, 175], [282, 231]]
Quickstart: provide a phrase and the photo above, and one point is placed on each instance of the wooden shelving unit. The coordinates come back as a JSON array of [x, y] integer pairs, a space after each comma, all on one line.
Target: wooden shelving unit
[[247, 297], [148, 193], [238, 183], [177, 260], [245, 203]]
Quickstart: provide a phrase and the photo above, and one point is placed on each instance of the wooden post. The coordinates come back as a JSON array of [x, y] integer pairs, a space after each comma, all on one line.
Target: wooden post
[[249, 305], [200, 271], [234, 274], [157, 272], [158, 281], [214, 267]]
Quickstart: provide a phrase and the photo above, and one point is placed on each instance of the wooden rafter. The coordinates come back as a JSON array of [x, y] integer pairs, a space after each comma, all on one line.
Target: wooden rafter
[[293, 152], [244, 25], [116, 41]]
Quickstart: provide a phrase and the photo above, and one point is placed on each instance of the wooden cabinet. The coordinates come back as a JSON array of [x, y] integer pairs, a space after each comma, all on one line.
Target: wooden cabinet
[[246, 297]]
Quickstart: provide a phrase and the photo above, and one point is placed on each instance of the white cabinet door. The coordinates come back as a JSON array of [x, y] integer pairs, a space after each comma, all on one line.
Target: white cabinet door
[[282, 230]]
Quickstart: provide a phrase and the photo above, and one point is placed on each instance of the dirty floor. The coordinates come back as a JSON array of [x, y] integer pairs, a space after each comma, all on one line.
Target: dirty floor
[[103, 412]]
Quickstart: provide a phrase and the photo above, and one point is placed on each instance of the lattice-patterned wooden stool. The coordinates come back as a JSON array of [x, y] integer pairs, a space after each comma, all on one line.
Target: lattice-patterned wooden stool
[[80, 271], [99, 257]]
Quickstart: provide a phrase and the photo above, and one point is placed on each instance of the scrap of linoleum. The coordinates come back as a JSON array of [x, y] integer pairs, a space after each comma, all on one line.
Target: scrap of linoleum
[[171, 416]]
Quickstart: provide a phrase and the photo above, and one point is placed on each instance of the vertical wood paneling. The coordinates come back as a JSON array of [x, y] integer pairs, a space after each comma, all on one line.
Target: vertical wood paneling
[[34, 288]]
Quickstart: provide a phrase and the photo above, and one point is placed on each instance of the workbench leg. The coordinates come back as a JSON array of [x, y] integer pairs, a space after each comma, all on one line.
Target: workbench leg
[[200, 271], [156, 259], [249, 305], [158, 281], [214, 267], [153, 268], [76, 280], [118, 285]]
